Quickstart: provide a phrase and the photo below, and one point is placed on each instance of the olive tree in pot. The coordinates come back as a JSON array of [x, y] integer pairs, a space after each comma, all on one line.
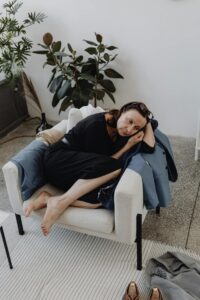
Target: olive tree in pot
[[15, 48], [76, 80]]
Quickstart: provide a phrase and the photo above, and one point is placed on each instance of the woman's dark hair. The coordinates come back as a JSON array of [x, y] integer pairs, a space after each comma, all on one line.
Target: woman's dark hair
[[139, 106]]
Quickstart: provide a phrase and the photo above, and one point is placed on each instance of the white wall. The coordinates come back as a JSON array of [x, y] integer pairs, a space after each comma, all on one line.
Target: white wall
[[159, 52]]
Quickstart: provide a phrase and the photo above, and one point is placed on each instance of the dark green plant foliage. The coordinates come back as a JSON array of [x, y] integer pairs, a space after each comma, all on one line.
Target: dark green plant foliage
[[56, 46], [112, 73], [107, 85], [75, 80], [56, 83], [15, 47]]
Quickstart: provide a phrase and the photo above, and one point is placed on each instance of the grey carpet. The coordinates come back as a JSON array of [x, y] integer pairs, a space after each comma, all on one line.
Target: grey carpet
[[68, 265]]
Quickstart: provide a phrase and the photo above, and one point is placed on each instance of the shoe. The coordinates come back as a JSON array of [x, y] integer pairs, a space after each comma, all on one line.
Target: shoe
[[132, 292], [156, 294]]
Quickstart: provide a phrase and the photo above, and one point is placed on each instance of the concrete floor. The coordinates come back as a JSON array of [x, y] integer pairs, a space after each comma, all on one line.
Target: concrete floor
[[178, 225]]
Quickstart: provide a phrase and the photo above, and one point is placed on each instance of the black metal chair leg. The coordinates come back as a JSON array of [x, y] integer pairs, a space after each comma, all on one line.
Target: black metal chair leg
[[19, 224], [139, 241], [158, 210], [6, 247]]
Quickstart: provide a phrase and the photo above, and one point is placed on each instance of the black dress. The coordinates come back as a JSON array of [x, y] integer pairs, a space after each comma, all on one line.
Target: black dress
[[86, 155]]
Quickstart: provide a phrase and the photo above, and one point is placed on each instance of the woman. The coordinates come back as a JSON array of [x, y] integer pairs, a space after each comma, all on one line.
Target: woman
[[89, 156]]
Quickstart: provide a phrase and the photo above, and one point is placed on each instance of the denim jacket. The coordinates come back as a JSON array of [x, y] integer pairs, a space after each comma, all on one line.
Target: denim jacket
[[156, 169]]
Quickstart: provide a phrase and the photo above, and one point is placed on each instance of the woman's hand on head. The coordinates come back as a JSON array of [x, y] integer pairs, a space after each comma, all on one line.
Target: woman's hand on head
[[133, 140]]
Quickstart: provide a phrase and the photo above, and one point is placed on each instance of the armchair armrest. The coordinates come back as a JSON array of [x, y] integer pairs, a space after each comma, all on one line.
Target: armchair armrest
[[128, 200], [10, 172]]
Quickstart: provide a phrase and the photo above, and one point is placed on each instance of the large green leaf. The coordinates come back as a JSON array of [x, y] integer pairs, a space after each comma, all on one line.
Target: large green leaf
[[43, 46], [50, 59], [110, 95], [56, 83], [62, 91], [91, 50], [85, 85], [79, 59], [87, 77], [112, 73], [56, 46], [111, 48], [114, 56], [65, 104], [108, 85], [70, 48], [52, 77], [41, 51], [106, 56], [80, 97], [89, 68], [100, 76], [90, 43], [55, 100], [84, 97], [102, 61], [99, 37], [51, 62], [99, 94], [101, 48]]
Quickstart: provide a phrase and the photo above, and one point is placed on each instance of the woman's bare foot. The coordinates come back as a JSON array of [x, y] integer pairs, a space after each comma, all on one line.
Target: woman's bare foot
[[38, 203], [54, 210]]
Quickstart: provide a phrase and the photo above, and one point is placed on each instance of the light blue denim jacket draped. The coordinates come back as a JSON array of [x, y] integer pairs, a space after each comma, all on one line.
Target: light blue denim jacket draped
[[156, 169]]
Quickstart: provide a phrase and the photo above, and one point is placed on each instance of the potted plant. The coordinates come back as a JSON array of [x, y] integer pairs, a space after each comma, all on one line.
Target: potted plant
[[15, 48], [76, 80]]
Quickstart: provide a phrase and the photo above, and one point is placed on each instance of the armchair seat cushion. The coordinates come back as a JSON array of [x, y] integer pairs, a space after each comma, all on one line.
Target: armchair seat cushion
[[100, 220]]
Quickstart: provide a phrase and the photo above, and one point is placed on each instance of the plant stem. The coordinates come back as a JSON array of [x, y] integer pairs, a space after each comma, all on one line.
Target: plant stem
[[96, 76]]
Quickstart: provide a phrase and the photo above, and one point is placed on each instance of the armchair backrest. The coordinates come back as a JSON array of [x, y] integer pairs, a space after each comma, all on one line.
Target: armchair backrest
[[76, 114]]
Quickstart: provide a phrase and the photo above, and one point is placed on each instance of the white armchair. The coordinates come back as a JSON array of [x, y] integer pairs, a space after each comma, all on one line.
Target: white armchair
[[123, 225]]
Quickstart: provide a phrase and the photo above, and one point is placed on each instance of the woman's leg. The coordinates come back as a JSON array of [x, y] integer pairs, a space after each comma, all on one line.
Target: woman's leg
[[57, 205], [41, 202]]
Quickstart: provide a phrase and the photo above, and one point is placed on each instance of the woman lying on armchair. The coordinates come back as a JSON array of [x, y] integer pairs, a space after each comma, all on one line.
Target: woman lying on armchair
[[90, 156]]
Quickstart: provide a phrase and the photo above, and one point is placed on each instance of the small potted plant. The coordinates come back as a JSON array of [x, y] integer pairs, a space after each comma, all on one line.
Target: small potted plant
[[76, 80], [15, 46]]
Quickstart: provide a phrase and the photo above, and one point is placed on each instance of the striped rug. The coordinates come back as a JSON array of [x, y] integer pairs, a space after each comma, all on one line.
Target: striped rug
[[71, 266]]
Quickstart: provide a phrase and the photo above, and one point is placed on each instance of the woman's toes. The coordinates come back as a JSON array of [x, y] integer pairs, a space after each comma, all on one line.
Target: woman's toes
[[44, 230], [28, 209], [27, 212]]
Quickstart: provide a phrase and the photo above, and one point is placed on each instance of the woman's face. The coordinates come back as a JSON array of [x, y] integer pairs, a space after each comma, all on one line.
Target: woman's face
[[130, 122]]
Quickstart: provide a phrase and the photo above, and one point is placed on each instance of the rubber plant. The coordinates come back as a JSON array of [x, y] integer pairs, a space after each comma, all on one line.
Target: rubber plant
[[76, 80]]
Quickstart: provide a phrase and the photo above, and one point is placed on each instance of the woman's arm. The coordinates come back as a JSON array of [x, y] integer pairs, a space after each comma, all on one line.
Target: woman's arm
[[132, 141], [149, 138]]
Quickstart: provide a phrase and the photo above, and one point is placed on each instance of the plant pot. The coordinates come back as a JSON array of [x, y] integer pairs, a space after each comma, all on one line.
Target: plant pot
[[13, 108]]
